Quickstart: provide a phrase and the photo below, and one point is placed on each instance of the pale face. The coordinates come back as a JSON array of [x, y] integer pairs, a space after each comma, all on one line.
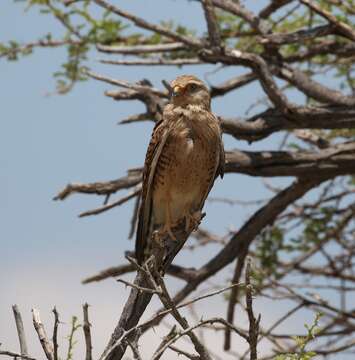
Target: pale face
[[191, 92]]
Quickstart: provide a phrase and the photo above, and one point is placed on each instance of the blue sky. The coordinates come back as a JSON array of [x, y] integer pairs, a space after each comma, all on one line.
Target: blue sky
[[48, 141]]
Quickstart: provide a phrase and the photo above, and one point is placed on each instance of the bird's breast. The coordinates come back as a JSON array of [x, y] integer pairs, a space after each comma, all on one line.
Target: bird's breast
[[184, 172]]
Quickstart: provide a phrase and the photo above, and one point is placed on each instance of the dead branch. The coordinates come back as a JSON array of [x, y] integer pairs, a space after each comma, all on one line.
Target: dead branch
[[146, 25], [118, 202], [55, 333], [46, 344], [16, 355], [87, 332], [253, 323], [20, 330]]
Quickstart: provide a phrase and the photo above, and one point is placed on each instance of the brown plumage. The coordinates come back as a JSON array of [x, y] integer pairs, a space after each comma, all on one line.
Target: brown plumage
[[184, 157]]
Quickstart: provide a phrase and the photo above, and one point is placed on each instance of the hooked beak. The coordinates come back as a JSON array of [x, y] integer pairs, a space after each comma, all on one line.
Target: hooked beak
[[177, 90]]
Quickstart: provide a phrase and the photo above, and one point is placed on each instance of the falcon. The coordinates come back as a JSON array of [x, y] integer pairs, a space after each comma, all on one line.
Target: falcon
[[184, 157]]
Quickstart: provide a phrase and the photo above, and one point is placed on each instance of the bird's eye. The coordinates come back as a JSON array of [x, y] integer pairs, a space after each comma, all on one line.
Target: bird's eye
[[192, 87]]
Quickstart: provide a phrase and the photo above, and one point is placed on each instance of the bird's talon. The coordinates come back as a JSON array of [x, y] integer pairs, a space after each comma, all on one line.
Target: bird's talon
[[192, 221], [167, 230]]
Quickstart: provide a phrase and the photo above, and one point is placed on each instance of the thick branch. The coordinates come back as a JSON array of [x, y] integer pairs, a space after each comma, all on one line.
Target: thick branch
[[328, 162], [20, 330], [270, 121], [212, 24], [343, 28], [46, 344]]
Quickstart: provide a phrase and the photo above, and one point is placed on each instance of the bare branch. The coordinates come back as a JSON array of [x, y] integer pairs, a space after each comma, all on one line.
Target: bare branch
[[102, 188], [212, 24], [20, 330], [154, 61], [234, 295], [16, 355], [312, 138], [71, 342], [298, 36], [232, 84], [260, 67], [46, 344], [110, 272], [239, 10], [185, 353], [272, 7], [253, 323], [315, 89], [87, 332], [328, 162], [270, 121], [169, 304], [39, 44], [343, 28], [118, 202], [127, 85], [141, 49], [188, 40], [139, 288], [193, 327], [55, 333]]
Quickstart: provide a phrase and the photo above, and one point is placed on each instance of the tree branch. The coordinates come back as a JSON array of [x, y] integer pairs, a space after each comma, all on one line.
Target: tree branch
[[46, 344], [20, 330], [188, 40]]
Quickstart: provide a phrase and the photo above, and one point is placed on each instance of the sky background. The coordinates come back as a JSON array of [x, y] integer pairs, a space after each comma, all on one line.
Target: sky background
[[48, 141]]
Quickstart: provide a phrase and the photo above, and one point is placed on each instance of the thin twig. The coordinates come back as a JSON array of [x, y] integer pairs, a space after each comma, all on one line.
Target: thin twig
[[253, 323], [16, 355], [118, 202], [141, 49], [153, 62], [71, 342], [55, 333], [185, 353], [140, 288]]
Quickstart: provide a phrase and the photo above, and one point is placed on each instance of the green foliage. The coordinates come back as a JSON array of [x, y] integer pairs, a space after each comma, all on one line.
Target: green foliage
[[12, 50], [268, 247], [83, 31], [73, 70], [316, 229], [301, 343]]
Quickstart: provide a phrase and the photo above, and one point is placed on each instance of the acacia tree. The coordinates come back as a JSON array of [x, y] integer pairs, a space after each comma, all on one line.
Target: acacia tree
[[301, 248]]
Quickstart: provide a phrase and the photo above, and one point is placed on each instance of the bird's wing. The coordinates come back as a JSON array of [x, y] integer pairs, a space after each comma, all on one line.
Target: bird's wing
[[222, 159], [219, 169], [156, 145]]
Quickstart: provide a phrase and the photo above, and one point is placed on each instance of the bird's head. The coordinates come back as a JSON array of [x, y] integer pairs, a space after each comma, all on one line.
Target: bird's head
[[189, 90]]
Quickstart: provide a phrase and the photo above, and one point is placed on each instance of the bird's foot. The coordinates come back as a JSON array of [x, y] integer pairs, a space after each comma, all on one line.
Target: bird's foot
[[167, 229], [192, 221]]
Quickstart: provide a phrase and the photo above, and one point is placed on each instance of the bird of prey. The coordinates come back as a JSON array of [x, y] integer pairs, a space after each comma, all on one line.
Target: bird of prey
[[184, 157]]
